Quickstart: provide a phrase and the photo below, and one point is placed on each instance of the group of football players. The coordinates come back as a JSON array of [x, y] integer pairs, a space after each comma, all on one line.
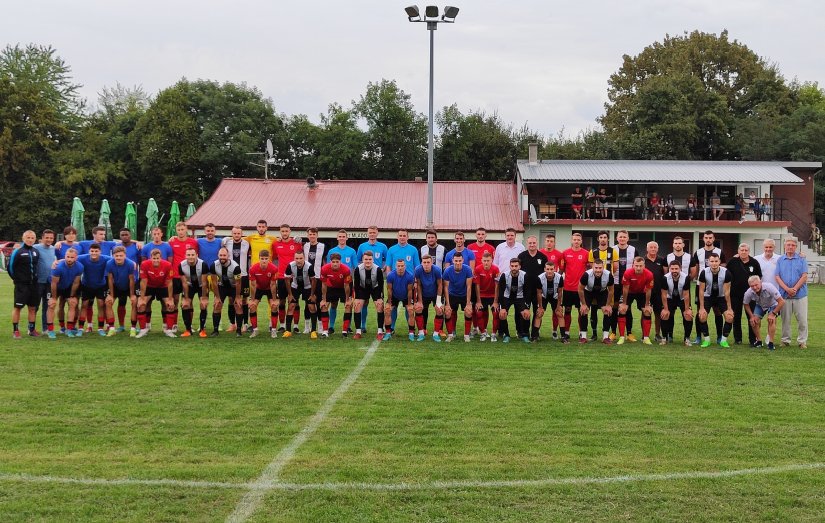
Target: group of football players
[[476, 280]]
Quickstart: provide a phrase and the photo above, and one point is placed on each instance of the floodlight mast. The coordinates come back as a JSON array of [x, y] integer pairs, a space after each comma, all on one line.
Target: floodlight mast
[[432, 20]]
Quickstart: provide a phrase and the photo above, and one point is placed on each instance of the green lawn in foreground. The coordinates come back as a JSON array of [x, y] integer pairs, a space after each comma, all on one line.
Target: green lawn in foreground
[[220, 410]]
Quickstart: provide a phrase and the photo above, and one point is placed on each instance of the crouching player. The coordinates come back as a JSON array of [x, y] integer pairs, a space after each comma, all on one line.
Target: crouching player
[[301, 284], [369, 284], [336, 285], [155, 284], [122, 276], [596, 292], [228, 284], [513, 291], [64, 289], [486, 285], [714, 295], [676, 295], [637, 285], [458, 284], [263, 282], [428, 283], [194, 277], [400, 292], [549, 296], [767, 303]]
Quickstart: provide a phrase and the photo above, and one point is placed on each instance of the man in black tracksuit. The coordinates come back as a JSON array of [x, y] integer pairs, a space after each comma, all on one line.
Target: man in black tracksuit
[[742, 267], [23, 272]]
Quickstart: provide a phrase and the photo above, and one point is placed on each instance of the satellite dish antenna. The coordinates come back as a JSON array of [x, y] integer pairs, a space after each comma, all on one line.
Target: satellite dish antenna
[[269, 150]]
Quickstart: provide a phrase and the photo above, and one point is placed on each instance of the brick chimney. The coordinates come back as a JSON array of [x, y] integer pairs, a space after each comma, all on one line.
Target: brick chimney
[[533, 153]]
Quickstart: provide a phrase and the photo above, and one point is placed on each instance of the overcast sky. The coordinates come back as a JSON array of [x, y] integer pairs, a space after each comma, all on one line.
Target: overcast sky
[[542, 62]]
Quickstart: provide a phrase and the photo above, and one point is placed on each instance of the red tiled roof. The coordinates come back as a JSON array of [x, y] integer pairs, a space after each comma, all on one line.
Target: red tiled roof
[[358, 204]]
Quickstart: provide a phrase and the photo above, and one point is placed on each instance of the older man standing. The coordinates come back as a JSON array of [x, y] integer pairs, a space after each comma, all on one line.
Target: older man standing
[[792, 278]]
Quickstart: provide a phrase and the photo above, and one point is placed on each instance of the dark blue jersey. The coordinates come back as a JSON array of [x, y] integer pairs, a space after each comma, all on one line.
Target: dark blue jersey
[[94, 272], [121, 273], [66, 273]]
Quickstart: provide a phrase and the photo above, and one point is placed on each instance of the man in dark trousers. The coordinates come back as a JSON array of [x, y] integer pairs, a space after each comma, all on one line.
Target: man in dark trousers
[[742, 267]]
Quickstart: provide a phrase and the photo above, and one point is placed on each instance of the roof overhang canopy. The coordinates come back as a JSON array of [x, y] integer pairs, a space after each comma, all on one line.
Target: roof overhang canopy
[[668, 172]]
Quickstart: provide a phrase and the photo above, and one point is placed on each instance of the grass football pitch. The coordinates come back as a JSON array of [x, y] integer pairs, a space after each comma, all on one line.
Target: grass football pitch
[[226, 429]]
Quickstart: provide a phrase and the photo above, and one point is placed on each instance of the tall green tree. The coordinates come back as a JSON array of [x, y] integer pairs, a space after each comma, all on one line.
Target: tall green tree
[[39, 111], [683, 97], [475, 146], [196, 133], [396, 133]]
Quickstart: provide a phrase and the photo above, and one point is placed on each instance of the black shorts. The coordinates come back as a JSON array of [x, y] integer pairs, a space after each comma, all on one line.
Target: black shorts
[[656, 300], [300, 294], [244, 286], [457, 302], [672, 305], [571, 299], [595, 300], [716, 302], [518, 305], [65, 293], [395, 301], [227, 292], [639, 298], [281, 288], [550, 304], [157, 293], [89, 293], [486, 303], [177, 286], [366, 294], [618, 295], [336, 294], [121, 294], [194, 289], [26, 295], [260, 293]]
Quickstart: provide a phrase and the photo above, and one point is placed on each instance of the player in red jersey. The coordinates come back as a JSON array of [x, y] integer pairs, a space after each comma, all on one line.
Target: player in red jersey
[[637, 285], [179, 244], [554, 255], [155, 283], [336, 285], [485, 281], [284, 253], [478, 248], [262, 282], [574, 261]]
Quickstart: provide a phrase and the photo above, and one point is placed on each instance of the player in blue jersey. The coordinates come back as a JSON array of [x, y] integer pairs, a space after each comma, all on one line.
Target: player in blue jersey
[[379, 258], [132, 247], [122, 279], [468, 255], [69, 241], [157, 243], [65, 287], [94, 287], [98, 237], [399, 292], [349, 258], [458, 282], [428, 292], [401, 251]]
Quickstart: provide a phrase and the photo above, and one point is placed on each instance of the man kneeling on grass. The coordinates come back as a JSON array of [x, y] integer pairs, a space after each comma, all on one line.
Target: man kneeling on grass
[[767, 302]]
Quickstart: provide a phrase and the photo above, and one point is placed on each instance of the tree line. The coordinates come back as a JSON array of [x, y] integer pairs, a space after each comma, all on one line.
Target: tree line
[[695, 96]]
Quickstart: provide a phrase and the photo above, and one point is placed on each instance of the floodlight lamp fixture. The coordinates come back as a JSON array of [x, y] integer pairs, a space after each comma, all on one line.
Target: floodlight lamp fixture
[[450, 12], [431, 11], [413, 14]]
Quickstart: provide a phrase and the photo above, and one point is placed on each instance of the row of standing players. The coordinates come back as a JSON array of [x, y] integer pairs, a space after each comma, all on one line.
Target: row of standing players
[[233, 269]]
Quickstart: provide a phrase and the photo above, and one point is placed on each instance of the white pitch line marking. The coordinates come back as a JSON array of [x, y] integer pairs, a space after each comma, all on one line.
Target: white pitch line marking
[[269, 477], [432, 485]]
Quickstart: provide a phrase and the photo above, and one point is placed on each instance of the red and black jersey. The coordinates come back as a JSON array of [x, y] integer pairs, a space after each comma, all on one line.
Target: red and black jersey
[[156, 276], [179, 252], [263, 278], [335, 279]]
